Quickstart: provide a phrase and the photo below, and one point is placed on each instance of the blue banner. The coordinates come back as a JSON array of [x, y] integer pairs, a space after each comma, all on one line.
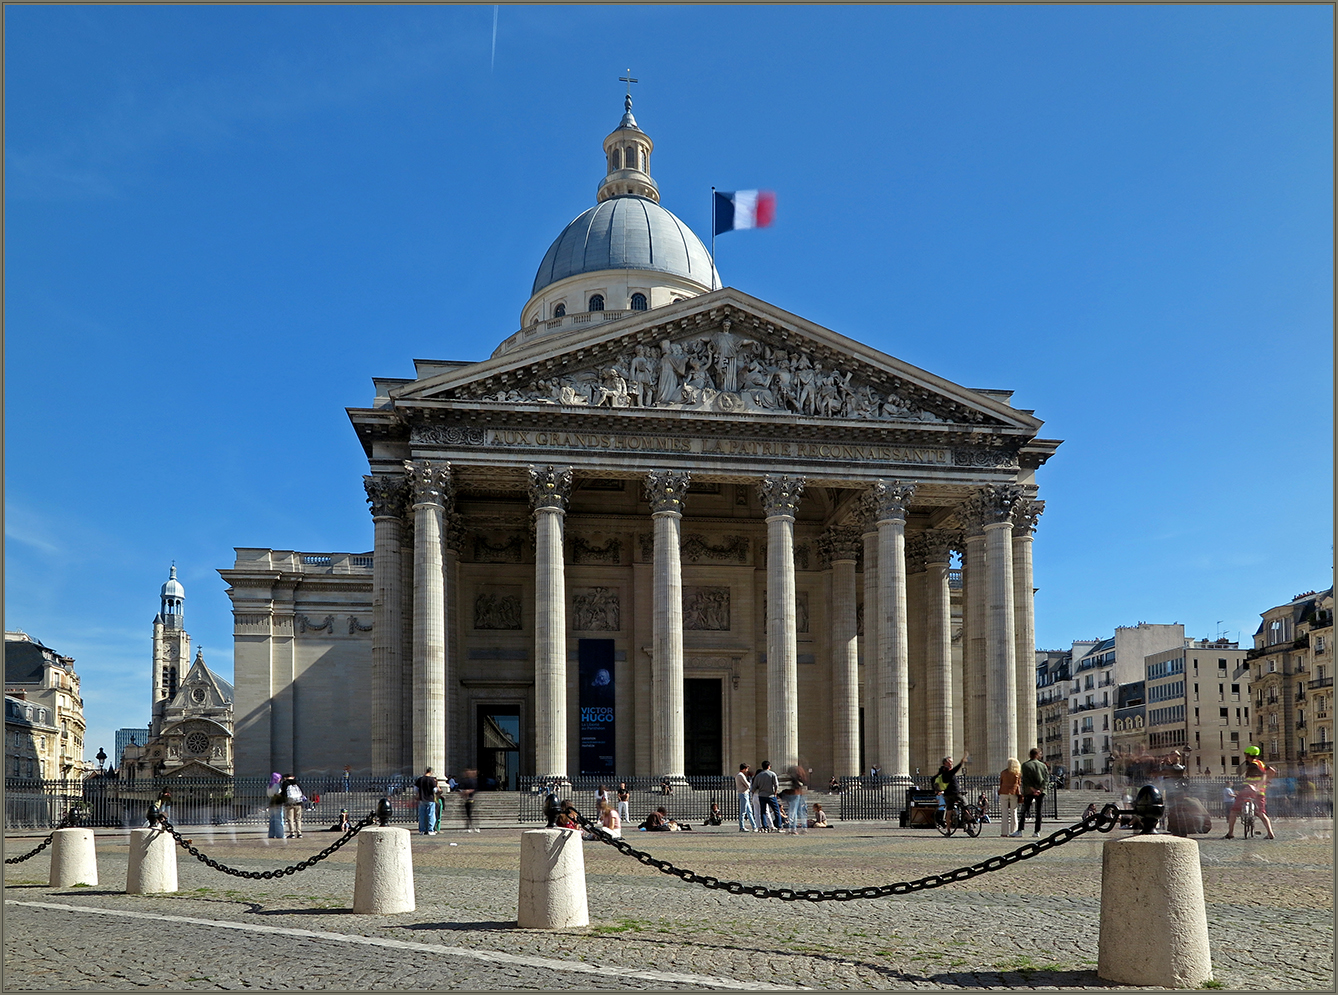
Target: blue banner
[[596, 704]]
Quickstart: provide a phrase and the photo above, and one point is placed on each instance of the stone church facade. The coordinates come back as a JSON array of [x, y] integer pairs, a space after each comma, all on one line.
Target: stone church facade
[[664, 529]]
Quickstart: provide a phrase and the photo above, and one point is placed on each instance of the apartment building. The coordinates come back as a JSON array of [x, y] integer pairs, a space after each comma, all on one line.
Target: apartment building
[[1291, 683]]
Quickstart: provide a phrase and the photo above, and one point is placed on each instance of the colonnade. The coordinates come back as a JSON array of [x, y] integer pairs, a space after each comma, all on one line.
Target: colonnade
[[992, 530]]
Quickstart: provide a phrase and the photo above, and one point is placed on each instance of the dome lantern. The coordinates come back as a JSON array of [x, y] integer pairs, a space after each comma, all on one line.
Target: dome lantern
[[627, 152]]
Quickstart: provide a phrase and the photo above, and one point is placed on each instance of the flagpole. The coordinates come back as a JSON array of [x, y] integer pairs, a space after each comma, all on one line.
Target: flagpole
[[713, 238]]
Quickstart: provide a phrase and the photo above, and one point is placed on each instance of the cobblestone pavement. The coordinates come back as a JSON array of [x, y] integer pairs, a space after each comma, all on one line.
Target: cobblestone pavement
[[1032, 925]]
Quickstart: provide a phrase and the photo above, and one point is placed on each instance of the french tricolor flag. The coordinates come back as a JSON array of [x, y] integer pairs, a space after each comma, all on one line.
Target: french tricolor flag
[[744, 209]]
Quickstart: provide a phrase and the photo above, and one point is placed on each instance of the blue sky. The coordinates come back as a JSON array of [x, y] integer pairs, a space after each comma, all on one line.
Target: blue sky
[[221, 222]]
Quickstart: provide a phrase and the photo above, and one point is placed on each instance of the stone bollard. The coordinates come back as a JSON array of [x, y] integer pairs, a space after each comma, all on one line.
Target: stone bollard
[[73, 859], [552, 880], [383, 883], [153, 862], [1154, 925]]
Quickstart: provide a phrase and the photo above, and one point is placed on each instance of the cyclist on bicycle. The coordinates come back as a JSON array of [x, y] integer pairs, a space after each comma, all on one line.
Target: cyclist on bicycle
[[1256, 775], [945, 783]]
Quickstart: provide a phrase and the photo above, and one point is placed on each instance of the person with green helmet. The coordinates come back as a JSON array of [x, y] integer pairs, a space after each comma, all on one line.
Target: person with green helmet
[[1256, 775]]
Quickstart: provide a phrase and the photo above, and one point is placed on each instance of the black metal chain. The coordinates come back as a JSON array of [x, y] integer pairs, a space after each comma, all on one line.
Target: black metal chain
[[64, 823], [302, 865], [1103, 821]]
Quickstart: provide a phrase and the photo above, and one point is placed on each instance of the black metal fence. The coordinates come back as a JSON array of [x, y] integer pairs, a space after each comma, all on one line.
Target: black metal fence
[[685, 803], [243, 802], [883, 799]]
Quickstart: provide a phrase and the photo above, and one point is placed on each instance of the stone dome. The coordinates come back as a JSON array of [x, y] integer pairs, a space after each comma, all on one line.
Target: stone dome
[[173, 588], [626, 232]]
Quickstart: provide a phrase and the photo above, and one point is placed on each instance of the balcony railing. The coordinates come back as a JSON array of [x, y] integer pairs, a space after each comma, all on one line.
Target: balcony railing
[[1322, 682], [1324, 747]]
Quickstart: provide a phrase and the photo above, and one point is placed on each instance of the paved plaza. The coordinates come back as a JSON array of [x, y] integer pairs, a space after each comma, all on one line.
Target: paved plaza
[[1032, 925]]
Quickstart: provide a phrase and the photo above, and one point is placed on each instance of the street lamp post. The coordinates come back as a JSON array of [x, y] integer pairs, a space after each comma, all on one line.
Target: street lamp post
[[102, 759]]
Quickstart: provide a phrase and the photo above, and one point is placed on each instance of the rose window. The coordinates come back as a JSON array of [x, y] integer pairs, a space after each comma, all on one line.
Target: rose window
[[197, 742]]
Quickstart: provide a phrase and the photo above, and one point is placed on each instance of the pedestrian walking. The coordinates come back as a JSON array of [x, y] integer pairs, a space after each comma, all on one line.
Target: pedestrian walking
[[1010, 797], [794, 796], [743, 785], [293, 798], [426, 787], [468, 785], [1035, 778], [275, 797], [766, 785]]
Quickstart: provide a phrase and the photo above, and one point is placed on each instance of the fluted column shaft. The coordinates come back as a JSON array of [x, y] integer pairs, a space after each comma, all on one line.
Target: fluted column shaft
[[666, 491], [843, 546], [1024, 613], [889, 502], [1001, 647], [386, 495], [873, 690], [550, 490], [429, 481], [973, 659], [938, 657], [780, 499]]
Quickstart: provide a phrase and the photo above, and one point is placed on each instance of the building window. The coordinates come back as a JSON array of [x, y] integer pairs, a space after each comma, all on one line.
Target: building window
[[560, 311], [615, 160], [596, 302], [638, 302], [1319, 644]]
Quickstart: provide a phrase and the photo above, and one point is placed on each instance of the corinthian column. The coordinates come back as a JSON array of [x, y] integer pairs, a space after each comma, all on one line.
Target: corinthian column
[[430, 483], [550, 490], [842, 545], [385, 494], [666, 491], [1025, 514], [872, 688], [891, 500], [973, 636], [780, 500], [938, 645], [993, 505]]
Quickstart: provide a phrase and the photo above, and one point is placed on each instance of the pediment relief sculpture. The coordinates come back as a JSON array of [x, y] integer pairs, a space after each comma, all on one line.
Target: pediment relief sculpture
[[723, 370]]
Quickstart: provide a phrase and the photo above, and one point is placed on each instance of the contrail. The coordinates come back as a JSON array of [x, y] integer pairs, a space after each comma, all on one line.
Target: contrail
[[493, 62]]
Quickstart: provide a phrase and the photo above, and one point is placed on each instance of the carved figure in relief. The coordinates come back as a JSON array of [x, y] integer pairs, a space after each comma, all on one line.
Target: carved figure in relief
[[598, 610], [641, 372], [757, 385], [673, 364], [613, 392], [706, 609], [496, 611], [698, 385], [728, 347]]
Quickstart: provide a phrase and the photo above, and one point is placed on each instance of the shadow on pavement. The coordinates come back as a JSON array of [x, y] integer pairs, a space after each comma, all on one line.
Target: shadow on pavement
[[1031, 979], [463, 926]]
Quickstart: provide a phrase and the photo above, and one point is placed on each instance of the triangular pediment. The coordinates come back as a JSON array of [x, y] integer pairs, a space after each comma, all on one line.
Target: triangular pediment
[[201, 688], [721, 352]]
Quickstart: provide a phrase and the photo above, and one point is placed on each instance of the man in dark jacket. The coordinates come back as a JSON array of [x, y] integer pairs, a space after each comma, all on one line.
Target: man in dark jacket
[[427, 803], [1035, 779], [945, 783], [766, 785]]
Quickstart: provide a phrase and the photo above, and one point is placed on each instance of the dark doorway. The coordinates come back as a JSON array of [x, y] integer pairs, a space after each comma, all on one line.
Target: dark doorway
[[499, 747], [703, 727]]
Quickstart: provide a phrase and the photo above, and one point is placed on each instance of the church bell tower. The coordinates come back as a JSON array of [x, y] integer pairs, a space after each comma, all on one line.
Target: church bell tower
[[171, 648]]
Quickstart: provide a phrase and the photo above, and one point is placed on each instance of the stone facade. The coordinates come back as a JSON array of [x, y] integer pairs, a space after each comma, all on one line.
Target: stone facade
[[1291, 680], [44, 678], [734, 529]]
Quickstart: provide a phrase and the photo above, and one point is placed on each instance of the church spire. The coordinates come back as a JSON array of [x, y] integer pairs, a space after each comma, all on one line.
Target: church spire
[[627, 157]]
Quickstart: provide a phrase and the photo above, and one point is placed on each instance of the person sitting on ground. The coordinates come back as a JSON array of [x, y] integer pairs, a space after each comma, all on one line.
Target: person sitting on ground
[[609, 819], [656, 822], [834, 786], [818, 820], [713, 819], [1089, 811]]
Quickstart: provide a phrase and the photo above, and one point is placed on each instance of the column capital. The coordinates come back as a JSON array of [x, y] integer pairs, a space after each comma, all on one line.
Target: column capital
[[915, 551], [887, 500], [841, 542], [992, 504], [780, 495], [939, 544], [667, 490], [385, 494], [1025, 513], [455, 534], [429, 482], [550, 487]]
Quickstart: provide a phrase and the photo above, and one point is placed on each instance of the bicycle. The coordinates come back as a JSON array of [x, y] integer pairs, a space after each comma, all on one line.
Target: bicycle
[[1247, 829], [965, 817]]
